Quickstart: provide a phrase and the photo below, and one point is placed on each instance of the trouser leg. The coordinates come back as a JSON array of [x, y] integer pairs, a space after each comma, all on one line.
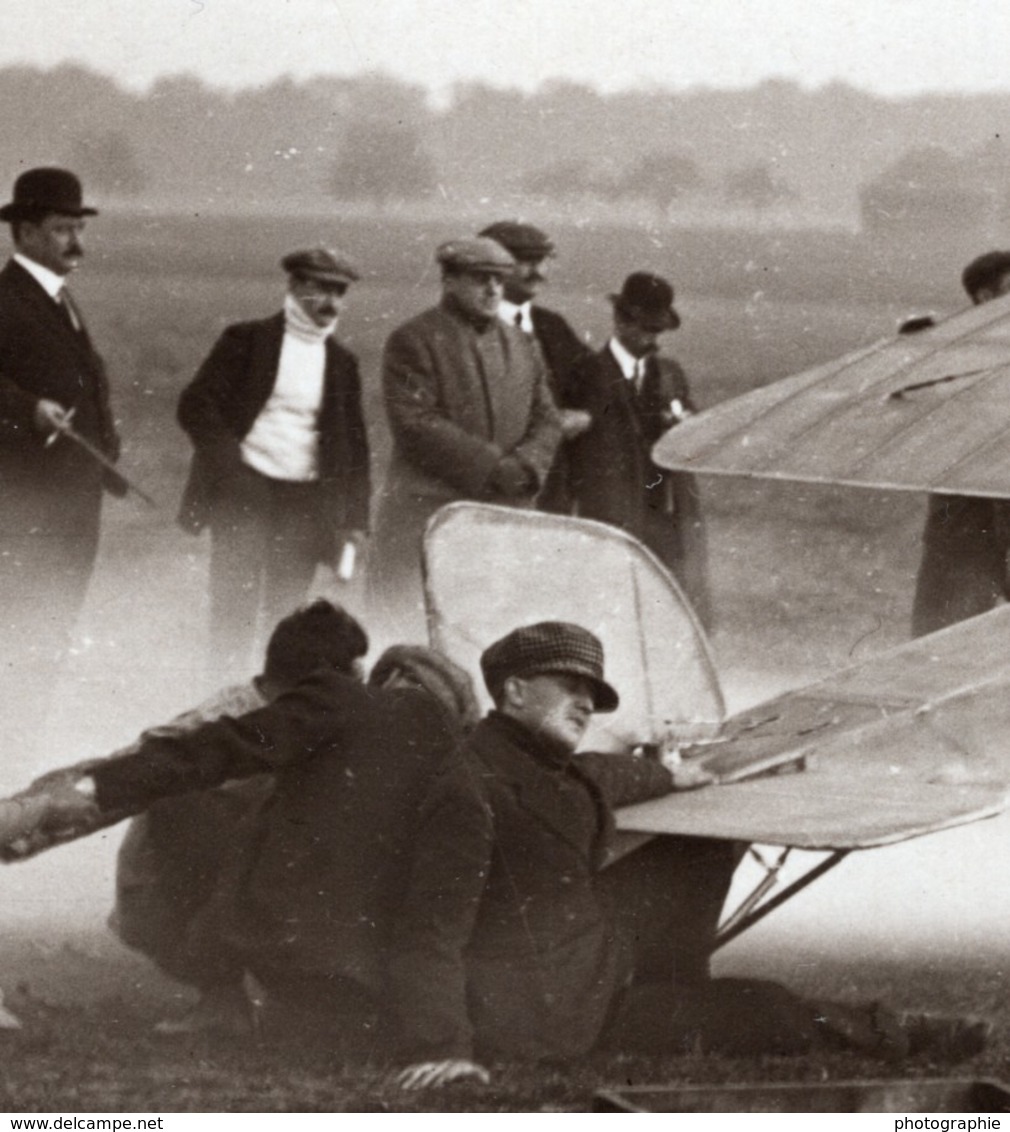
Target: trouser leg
[[293, 549], [666, 898], [240, 536]]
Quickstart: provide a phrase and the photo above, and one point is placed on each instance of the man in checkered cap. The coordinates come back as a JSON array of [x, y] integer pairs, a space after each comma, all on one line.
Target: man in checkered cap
[[514, 942]]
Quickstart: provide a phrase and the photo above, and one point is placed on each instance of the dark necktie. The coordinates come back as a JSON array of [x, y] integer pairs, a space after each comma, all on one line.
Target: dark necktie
[[519, 319]]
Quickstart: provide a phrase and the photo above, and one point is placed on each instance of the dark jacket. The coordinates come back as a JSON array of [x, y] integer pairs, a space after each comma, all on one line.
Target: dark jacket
[[563, 352], [41, 356], [219, 407], [331, 852], [503, 947], [612, 475]]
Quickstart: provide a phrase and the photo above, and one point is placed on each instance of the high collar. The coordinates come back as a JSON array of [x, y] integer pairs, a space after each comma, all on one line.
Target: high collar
[[541, 750], [481, 324], [625, 359], [517, 314], [49, 281]]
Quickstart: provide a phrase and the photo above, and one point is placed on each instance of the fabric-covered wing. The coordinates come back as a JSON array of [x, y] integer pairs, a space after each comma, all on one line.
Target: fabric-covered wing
[[911, 741], [491, 569], [810, 811], [924, 411]]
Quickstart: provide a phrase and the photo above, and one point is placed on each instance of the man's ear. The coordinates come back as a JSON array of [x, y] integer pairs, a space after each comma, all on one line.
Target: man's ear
[[513, 692]]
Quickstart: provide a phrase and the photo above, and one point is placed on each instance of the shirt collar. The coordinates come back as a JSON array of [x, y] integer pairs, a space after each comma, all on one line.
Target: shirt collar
[[48, 280], [625, 359], [508, 310]]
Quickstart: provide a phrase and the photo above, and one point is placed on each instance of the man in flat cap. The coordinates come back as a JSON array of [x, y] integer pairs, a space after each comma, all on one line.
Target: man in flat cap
[[561, 347], [280, 468], [517, 941], [50, 487], [633, 396], [471, 417], [963, 570]]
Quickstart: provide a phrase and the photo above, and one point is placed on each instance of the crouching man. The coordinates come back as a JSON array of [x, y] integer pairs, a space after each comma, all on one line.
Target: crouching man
[[513, 941]]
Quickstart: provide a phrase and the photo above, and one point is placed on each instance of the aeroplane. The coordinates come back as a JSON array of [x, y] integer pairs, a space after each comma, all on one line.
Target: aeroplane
[[903, 744]]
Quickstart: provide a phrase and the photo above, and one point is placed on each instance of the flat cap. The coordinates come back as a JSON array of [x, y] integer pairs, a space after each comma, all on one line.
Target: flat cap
[[549, 646], [523, 240], [475, 253], [327, 265]]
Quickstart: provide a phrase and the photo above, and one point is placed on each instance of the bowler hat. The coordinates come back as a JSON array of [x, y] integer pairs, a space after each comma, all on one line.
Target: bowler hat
[[648, 301], [549, 646], [524, 241], [38, 192], [476, 253], [323, 265]]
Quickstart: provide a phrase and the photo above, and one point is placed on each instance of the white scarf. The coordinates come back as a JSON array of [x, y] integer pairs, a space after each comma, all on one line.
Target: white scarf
[[298, 324]]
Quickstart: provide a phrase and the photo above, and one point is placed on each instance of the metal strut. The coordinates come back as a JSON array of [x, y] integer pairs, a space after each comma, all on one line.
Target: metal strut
[[749, 913]]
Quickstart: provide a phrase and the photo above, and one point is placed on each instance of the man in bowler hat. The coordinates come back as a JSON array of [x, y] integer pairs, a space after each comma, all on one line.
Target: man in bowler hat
[[50, 487], [560, 346], [280, 470], [633, 396]]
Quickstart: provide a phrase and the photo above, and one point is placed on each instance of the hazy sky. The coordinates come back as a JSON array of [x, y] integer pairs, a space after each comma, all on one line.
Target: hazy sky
[[889, 46]]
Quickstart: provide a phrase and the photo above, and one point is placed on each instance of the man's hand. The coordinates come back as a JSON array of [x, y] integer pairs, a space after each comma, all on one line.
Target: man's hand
[[58, 808], [574, 422], [689, 776], [50, 416], [429, 1074], [511, 478]]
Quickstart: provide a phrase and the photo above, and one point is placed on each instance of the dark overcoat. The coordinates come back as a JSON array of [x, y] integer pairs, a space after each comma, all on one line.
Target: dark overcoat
[[317, 887], [612, 475], [219, 407], [53, 488], [504, 947]]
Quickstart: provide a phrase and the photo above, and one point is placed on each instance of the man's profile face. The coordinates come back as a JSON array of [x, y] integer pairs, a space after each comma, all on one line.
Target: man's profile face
[[477, 292], [321, 301], [54, 241], [524, 284], [557, 706], [638, 340]]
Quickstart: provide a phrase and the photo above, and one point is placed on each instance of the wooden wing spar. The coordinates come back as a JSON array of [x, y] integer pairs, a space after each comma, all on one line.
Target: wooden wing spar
[[927, 411]]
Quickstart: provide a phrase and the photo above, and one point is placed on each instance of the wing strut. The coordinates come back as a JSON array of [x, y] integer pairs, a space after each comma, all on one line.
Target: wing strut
[[752, 911]]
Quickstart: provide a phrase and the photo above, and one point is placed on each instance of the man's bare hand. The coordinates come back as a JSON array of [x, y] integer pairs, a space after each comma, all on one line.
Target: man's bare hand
[[688, 775], [574, 422], [50, 416], [430, 1074]]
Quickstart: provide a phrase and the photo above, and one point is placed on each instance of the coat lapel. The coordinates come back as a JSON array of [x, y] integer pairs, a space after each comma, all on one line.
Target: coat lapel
[[536, 790]]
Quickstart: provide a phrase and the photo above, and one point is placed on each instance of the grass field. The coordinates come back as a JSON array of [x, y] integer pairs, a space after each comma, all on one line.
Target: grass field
[[804, 580]]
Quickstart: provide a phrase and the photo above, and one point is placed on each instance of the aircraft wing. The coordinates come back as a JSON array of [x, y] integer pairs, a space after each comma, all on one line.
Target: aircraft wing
[[911, 741], [928, 411]]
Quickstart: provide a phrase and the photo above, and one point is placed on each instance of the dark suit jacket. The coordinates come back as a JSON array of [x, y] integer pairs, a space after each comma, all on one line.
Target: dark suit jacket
[[563, 352], [221, 404], [41, 356], [613, 478], [562, 349], [503, 947]]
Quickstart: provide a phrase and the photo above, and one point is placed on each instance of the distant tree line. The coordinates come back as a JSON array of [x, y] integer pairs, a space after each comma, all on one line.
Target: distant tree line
[[375, 139]]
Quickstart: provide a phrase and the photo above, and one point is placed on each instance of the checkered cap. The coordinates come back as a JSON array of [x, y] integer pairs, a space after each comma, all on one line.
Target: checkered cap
[[549, 646]]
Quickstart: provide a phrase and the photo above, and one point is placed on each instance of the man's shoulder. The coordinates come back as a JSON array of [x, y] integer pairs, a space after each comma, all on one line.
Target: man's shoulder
[[550, 321], [253, 327], [426, 323]]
